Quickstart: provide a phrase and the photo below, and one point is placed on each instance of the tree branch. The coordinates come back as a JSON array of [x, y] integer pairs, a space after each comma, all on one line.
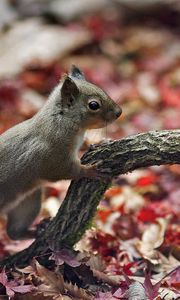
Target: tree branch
[[83, 196]]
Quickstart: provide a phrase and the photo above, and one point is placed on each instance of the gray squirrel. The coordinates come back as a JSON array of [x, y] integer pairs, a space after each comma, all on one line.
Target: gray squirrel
[[45, 148]]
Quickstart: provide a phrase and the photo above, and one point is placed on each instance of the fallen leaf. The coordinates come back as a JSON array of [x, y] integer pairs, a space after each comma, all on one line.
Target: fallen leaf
[[152, 291], [65, 256], [12, 286], [105, 278], [152, 238], [53, 284]]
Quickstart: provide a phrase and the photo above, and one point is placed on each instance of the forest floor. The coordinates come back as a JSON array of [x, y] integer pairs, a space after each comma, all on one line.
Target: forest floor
[[132, 250]]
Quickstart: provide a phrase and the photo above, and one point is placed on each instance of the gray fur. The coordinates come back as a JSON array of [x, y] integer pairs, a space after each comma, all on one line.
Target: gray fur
[[44, 148]]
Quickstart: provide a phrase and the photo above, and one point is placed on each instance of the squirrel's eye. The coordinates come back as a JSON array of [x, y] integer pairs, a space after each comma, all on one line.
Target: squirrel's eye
[[94, 105]]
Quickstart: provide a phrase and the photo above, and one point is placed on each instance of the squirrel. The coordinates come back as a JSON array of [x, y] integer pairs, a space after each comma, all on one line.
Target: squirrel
[[45, 148]]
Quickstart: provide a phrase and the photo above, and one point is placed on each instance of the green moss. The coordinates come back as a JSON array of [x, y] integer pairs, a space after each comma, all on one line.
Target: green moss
[[88, 223], [73, 239]]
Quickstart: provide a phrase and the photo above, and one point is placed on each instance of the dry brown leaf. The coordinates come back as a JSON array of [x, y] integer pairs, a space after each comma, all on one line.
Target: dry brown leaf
[[53, 285], [26, 270], [95, 262], [105, 278], [152, 238], [167, 264], [76, 292]]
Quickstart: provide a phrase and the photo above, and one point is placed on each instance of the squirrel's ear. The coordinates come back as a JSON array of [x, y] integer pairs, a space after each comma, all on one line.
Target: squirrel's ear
[[69, 89], [76, 73]]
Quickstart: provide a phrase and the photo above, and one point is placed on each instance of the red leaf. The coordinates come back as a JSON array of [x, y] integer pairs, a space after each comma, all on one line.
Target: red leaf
[[105, 244], [127, 267], [172, 236], [104, 214], [147, 215], [119, 294], [146, 180], [3, 277], [113, 191], [12, 286], [150, 289], [65, 256], [125, 227]]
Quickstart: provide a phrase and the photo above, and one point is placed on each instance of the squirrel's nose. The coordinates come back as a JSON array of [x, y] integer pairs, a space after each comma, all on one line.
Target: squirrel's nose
[[118, 112]]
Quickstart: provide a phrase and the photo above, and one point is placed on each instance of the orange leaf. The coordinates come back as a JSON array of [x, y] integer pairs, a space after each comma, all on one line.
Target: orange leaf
[[113, 191]]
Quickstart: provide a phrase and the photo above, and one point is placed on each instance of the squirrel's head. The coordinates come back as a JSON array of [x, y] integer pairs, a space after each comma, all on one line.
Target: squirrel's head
[[87, 102]]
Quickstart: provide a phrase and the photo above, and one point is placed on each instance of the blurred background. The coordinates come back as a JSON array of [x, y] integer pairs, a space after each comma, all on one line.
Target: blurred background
[[130, 48]]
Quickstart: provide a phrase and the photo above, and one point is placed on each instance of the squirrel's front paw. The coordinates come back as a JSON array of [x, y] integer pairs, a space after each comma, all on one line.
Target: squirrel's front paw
[[91, 171]]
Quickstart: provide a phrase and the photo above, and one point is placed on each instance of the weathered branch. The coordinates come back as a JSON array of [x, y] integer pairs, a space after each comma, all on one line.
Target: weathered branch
[[83, 196]]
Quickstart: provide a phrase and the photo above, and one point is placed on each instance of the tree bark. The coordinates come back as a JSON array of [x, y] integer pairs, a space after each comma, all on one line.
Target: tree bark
[[79, 206]]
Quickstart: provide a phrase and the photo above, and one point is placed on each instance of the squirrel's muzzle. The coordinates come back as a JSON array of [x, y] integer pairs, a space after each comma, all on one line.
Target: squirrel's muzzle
[[113, 113]]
